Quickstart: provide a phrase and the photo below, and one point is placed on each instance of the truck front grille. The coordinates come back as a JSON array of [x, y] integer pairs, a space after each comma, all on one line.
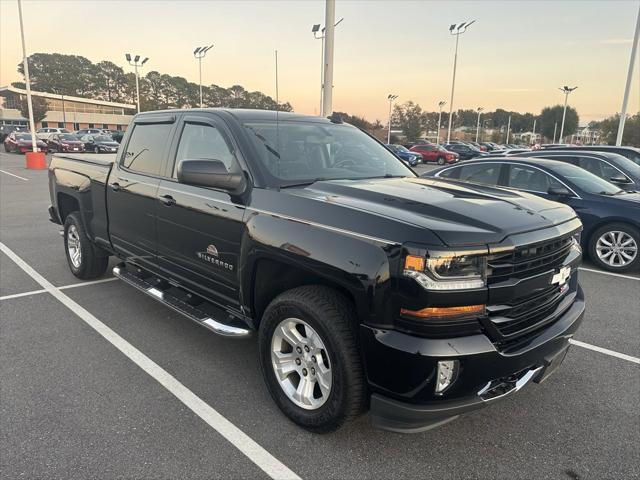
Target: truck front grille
[[528, 260], [517, 319]]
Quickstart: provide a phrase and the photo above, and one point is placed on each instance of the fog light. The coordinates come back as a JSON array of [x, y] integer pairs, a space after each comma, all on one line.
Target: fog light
[[447, 370]]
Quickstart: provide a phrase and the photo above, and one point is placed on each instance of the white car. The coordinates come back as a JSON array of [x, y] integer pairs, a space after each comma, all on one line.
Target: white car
[[45, 133]]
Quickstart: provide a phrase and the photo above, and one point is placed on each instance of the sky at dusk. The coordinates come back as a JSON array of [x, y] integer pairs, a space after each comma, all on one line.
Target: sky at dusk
[[514, 57]]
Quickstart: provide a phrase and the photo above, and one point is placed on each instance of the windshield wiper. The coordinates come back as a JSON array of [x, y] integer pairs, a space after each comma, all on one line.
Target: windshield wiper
[[302, 184]]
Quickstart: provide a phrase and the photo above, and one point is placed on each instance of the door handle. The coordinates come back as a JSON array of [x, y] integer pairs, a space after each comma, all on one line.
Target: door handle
[[115, 187], [167, 200]]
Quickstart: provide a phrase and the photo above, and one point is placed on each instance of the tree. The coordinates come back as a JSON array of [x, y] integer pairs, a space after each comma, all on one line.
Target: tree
[[550, 115], [73, 75], [410, 118], [39, 105], [609, 130]]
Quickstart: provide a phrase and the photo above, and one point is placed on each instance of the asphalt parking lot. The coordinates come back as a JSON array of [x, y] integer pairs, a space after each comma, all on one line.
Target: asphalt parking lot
[[98, 380]]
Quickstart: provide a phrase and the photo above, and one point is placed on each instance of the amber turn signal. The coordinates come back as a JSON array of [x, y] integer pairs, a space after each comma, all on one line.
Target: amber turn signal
[[414, 263], [466, 311]]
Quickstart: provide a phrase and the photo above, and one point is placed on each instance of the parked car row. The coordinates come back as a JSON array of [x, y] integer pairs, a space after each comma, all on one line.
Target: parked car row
[[601, 184], [87, 140]]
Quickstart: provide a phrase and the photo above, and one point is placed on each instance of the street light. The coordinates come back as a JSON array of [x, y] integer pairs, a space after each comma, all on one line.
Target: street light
[[480, 109], [567, 91], [199, 53], [136, 63], [441, 104], [391, 98], [25, 63], [627, 87], [315, 29], [456, 29]]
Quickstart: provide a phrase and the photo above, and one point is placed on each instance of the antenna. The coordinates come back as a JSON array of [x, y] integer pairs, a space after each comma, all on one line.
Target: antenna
[[277, 119]]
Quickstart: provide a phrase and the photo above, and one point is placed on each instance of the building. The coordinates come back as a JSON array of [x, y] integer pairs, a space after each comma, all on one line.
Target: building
[[72, 113]]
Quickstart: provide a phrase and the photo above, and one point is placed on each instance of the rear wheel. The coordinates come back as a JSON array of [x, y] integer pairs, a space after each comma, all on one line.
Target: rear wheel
[[86, 260], [96, 149], [441, 160], [310, 358], [614, 247]]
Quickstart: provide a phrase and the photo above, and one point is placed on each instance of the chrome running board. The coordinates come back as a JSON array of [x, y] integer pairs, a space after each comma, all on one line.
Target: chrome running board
[[191, 306]]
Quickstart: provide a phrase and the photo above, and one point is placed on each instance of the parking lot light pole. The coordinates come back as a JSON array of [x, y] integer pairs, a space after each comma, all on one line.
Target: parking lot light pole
[[508, 128], [135, 64], [480, 109], [391, 98], [441, 104], [555, 128], [199, 53], [327, 74], [625, 99], [27, 81], [315, 29], [456, 29], [567, 91]]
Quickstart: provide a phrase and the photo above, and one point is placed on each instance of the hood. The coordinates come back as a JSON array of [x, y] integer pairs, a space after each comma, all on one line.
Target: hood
[[459, 214], [72, 142], [108, 144]]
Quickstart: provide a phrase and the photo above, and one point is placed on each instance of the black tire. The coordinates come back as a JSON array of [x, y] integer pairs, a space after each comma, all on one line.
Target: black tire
[[440, 160], [629, 230], [93, 260], [332, 317], [96, 150]]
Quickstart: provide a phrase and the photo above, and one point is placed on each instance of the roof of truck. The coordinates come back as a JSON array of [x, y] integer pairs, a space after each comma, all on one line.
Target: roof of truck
[[247, 114]]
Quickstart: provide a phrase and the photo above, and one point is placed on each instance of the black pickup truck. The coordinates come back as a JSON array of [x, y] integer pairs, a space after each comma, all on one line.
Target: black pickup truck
[[367, 287]]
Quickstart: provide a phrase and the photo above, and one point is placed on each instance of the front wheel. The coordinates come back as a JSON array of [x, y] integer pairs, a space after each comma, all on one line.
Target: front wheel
[[614, 247], [310, 358], [440, 160], [96, 150], [86, 260]]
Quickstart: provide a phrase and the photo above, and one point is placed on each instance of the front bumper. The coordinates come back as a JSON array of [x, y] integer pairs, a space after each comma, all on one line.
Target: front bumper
[[406, 403]]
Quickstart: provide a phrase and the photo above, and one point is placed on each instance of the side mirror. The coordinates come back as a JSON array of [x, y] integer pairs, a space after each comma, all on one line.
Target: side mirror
[[619, 179], [210, 173], [559, 191]]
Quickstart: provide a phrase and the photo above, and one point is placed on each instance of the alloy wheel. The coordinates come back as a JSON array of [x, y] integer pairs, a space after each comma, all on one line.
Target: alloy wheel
[[616, 248], [73, 246], [301, 363]]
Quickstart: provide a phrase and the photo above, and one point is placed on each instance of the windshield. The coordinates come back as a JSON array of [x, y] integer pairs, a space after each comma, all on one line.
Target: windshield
[[587, 181], [102, 138], [23, 136], [68, 138], [401, 148], [305, 152]]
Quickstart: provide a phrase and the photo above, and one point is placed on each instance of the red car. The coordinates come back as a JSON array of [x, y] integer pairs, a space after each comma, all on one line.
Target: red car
[[435, 153], [65, 142], [21, 142]]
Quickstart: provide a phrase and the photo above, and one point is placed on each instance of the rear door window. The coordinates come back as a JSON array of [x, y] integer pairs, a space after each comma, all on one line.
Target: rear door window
[[484, 173], [145, 149]]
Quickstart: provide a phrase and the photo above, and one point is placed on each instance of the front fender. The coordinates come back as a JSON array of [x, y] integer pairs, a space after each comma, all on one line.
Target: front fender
[[360, 266]]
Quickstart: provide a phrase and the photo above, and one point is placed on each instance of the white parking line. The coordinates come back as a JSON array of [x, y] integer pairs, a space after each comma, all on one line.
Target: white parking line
[[66, 287], [17, 176], [606, 351], [254, 452], [629, 277]]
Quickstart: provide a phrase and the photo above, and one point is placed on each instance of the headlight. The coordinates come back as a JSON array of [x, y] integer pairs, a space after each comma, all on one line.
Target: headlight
[[454, 271]]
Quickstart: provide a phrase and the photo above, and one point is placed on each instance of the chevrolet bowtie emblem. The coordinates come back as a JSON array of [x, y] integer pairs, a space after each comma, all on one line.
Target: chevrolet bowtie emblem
[[561, 277]]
